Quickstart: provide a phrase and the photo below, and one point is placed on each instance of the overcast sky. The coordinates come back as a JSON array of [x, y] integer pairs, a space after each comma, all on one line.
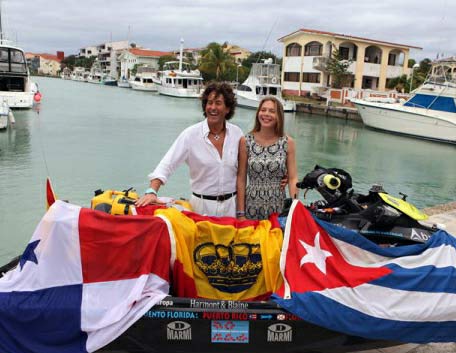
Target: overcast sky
[[49, 25]]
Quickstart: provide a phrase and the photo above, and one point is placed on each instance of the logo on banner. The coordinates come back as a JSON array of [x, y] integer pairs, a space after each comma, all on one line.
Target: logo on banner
[[230, 269], [179, 331], [280, 333]]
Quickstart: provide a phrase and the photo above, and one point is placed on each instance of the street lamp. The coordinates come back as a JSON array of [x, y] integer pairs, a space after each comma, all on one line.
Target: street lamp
[[415, 66], [237, 72]]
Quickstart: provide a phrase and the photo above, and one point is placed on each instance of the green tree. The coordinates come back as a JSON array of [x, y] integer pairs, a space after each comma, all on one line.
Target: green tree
[[216, 63], [165, 58], [69, 62], [258, 56], [338, 69]]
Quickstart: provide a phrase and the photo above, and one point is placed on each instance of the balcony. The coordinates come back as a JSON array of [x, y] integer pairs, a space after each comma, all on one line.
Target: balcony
[[320, 63]]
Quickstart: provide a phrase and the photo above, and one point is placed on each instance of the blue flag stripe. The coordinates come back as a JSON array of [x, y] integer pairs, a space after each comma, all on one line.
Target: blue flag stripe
[[35, 321], [335, 316], [424, 279]]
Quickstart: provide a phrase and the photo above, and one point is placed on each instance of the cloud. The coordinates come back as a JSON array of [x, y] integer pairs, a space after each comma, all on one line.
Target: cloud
[[51, 25]]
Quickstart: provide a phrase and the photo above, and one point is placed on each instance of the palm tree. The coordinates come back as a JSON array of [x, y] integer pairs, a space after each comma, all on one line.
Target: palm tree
[[216, 63]]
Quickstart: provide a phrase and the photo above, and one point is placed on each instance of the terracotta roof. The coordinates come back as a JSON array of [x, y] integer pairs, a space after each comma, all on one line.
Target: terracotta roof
[[347, 36], [44, 56], [145, 52]]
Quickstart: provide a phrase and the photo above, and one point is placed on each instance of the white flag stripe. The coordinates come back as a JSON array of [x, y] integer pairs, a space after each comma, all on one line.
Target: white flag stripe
[[394, 304], [109, 308], [443, 256], [58, 235]]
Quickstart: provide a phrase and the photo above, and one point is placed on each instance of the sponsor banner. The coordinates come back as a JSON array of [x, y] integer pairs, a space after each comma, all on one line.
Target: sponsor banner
[[229, 331], [179, 331], [156, 314], [280, 333]]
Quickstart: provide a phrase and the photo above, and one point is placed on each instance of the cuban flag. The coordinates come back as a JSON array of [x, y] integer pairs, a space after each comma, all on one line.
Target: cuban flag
[[337, 279], [83, 279]]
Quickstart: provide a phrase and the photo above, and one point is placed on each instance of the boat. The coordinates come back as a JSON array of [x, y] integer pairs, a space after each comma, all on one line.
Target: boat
[[187, 325], [94, 77], [263, 80], [16, 87], [108, 80], [178, 79], [144, 79], [6, 116], [123, 82], [430, 113]]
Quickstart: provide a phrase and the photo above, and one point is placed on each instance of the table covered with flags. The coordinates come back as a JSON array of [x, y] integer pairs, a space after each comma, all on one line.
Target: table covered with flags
[[85, 277]]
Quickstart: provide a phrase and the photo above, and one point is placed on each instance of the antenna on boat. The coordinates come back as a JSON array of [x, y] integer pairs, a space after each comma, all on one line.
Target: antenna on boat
[[267, 38], [181, 54]]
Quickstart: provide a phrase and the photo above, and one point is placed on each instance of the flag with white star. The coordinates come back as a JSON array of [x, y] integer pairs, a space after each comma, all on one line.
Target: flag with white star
[[336, 278]]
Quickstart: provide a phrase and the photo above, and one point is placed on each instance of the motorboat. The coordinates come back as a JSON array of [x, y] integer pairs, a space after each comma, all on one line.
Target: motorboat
[[178, 79], [263, 80], [94, 77], [430, 113], [6, 116], [108, 80], [144, 79], [123, 82], [16, 87], [182, 324]]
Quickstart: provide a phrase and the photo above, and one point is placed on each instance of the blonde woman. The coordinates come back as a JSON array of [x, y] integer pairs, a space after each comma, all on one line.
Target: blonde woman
[[267, 157]]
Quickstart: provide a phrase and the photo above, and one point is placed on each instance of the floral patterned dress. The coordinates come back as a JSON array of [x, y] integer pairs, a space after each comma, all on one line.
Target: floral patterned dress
[[266, 167]]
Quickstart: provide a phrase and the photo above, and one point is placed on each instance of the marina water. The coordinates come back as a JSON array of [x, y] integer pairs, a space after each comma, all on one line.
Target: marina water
[[88, 137]]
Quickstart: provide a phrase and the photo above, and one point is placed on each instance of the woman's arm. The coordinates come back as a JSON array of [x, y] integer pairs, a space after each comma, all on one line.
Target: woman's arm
[[241, 179], [292, 170]]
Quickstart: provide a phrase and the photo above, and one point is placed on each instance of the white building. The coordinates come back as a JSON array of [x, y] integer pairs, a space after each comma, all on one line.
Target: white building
[[107, 55], [136, 56]]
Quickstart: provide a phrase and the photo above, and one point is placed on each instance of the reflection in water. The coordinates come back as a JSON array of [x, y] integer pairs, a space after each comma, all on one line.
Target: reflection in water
[[93, 136]]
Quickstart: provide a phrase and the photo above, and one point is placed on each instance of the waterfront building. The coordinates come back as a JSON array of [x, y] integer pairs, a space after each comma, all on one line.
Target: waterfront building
[[306, 53], [107, 55], [239, 54], [189, 55], [45, 64], [137, 56]]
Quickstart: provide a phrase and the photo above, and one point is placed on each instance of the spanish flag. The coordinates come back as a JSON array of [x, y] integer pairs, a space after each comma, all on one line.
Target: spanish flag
[[50, 196], [223, 258]]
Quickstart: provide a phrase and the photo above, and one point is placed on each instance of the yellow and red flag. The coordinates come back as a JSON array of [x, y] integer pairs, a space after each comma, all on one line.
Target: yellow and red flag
[[223, 258]]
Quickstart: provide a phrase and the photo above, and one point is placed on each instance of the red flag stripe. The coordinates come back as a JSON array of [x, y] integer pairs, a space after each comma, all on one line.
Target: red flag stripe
[[129, 245]]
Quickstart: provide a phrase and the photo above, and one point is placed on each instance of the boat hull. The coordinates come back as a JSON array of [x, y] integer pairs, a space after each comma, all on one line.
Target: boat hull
[[147, 88], [402, 120], [17, 99], [210, 326], [253, 103], [178, 92]]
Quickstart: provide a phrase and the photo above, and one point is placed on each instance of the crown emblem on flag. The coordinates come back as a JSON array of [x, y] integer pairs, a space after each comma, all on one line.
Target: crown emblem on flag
[[229, 268]]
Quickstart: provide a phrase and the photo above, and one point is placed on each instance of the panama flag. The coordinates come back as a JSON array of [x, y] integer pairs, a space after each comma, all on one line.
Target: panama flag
[[83, 279], [335, 278]]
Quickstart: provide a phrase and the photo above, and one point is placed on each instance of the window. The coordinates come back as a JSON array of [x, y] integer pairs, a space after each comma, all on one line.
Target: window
[[344, 52], [244, 88], [291, 76], [391, 59], [313, 49], [311, 77], [293, 49]]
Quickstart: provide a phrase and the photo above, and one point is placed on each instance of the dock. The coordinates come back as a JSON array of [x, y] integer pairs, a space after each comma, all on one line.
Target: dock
[[341, 112]]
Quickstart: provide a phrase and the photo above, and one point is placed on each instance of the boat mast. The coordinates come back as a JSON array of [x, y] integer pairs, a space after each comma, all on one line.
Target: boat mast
[[1, 28], [181, 54]]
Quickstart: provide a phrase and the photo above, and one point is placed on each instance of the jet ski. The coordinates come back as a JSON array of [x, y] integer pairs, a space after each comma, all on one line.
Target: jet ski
[[377, 215]]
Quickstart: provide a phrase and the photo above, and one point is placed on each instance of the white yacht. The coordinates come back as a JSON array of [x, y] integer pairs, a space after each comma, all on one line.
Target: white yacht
[[177, 79], [123, 82], [94, 77], [144, 79], [263, 80], [16, 87], [430, 113]]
